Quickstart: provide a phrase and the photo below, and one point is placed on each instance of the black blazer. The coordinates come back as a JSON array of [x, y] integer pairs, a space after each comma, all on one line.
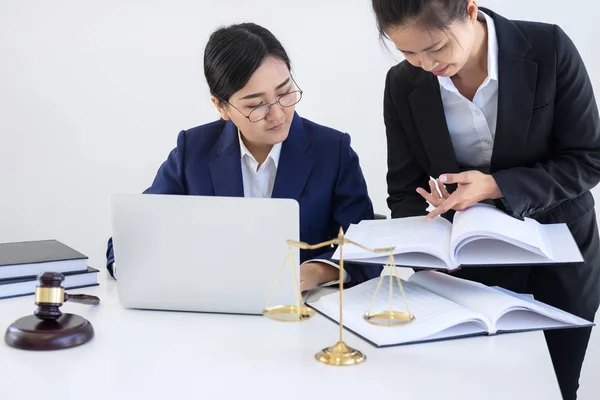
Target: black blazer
[[546, 154]]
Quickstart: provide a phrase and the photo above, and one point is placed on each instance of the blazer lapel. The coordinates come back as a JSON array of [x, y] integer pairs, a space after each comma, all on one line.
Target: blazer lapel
[[226, 167], [295, 164], [428, 113], [517, 77]]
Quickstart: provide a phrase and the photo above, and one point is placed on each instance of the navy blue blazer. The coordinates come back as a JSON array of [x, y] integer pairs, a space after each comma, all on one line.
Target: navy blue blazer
[[317, 167]]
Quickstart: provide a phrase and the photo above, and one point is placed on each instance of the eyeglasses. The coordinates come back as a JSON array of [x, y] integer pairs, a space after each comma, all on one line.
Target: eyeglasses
[[262, 112]]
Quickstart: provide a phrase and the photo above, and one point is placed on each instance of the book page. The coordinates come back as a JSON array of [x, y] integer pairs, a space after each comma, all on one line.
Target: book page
[[411, 235], [466, 329], [407, 260], [483, 251], [473, 295], [483, 221], [561, 241], [433, 313], [532, 314], [525, 320]]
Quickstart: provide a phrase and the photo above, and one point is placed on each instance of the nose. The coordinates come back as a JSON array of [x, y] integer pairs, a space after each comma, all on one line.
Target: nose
[[427, 63], [276, 112]]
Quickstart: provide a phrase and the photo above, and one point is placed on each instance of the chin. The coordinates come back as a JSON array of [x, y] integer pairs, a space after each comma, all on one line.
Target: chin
[[277, 138]]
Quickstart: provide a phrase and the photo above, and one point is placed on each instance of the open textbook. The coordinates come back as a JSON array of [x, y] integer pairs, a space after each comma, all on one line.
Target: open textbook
[[445, 307], [479, 235]]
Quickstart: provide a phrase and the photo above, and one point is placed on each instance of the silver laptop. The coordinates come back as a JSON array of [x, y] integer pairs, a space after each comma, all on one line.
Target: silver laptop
[[203, 254]]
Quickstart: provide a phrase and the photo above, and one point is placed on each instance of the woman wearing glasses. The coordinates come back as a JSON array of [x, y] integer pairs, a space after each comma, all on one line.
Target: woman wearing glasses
[[262, 148]]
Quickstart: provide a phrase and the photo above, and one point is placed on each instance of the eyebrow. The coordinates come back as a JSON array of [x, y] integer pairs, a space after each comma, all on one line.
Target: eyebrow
[[427, 49], [255, 95]]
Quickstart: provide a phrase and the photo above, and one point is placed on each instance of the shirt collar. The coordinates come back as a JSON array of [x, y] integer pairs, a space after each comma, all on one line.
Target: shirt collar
[[446, 82], [273, 154], [492, 48]]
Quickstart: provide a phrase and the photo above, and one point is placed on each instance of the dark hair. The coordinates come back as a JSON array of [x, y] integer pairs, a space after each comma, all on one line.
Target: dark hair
[[430, 14], [234, 53]]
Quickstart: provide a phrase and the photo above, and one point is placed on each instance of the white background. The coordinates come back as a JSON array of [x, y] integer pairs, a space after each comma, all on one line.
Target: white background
[[93, 94]]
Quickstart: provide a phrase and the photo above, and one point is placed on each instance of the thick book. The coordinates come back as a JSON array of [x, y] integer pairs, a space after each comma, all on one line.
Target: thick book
[[478, 236], [445, 307], [19, 259], [25, 286]]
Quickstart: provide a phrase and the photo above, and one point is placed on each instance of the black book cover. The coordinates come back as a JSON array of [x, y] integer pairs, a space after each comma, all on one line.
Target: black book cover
[[33, 252], [21, 279], [31, 282]]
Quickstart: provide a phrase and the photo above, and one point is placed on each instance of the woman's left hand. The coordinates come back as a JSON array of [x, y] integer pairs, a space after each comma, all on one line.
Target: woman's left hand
[[434, 198], [473, 187], [316, 273]]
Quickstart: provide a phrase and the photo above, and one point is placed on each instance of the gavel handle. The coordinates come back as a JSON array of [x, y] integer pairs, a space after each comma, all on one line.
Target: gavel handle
[[82, 298]]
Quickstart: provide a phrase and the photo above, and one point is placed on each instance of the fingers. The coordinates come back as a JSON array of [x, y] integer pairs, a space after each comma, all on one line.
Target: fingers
[[306, 285], [427, 196], [309, 276], [433, 188], [433, 197], [303, 286], [442, 208], [443, 189], [304, 281], [463, 177]]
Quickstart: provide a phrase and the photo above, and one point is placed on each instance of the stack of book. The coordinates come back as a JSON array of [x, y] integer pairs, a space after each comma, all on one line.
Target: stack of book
[[22, 262]]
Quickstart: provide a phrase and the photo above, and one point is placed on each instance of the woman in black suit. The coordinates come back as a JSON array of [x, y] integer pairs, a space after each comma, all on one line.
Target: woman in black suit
[[504, 112]]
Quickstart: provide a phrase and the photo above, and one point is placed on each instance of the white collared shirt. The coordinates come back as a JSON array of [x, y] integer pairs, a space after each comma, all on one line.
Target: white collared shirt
[[472, 125], [258, 180]]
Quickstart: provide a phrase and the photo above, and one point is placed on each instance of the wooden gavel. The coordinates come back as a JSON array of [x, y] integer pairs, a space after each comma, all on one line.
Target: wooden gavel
[[50, 295], [49, 328]]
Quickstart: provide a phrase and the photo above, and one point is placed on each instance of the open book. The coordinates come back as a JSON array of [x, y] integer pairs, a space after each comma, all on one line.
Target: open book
[[479, 235], [445, 307]]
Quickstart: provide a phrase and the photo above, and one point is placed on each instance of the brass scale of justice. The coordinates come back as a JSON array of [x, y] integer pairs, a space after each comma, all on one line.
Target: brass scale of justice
[[340, 354]]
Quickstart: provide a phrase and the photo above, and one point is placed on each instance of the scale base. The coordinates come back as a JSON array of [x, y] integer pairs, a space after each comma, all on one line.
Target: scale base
[[340, 355], [389, 318], [32, 333], [289, 313]]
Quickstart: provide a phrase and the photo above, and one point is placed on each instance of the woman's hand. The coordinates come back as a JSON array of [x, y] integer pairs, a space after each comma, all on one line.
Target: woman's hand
[[434, 197], [316, 273], [473, 187]]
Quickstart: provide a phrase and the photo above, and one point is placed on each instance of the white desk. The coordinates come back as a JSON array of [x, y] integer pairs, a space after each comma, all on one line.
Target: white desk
[[167, 355]]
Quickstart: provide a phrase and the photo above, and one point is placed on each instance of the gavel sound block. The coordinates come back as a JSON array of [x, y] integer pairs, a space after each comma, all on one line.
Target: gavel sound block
[[49, 328]]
